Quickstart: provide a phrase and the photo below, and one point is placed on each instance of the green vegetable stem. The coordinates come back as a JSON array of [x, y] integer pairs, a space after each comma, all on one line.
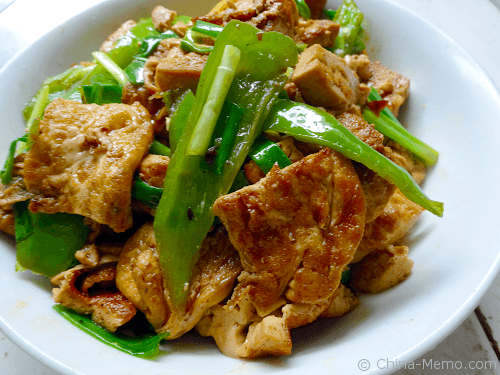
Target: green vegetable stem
[[145, 193], [184, 215], [266, 153], [158, 148], [213, 105], [388, 124], [99, 93], [223, 137], [313, 125]]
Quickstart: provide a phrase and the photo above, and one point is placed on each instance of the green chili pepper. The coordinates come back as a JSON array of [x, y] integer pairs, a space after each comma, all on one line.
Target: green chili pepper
[[303, 9], [99, 93], [145, 193], [190, 46], [313, 125], [126, 47], [145, 346], [46, 244], [207, 28], [185, 214], [135, 71], [350, 18], [329, 13], [266, 153], [180, 118], [61, 86]]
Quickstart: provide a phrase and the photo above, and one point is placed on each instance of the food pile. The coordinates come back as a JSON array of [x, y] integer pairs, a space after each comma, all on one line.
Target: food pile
[[241, 173]]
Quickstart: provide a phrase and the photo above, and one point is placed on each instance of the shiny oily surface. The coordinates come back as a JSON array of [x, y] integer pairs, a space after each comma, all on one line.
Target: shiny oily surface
[[453, 107]]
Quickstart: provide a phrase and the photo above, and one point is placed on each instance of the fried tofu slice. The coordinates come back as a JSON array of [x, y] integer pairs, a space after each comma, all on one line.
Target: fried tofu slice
[[392, 86], [322, 32], [382, 269], [391, 225], [162, 18], [140, 279], [325, 80], [298, 227], [83, 160], [179, 70], [109, 309]]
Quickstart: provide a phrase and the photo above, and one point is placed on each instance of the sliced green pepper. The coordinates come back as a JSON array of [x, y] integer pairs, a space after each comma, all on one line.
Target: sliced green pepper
[[99, 93], [145, 346], [313, 125], [46, 244], [61, 86], [180, 118], [185, 216], [207, 28], [303, 9]]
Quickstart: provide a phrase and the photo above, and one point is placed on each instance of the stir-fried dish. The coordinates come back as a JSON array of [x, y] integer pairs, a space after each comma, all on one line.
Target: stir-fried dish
[[241, 173]]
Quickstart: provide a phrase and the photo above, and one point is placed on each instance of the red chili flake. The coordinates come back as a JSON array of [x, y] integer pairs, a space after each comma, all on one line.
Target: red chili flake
[[376, 106], [259, 36]]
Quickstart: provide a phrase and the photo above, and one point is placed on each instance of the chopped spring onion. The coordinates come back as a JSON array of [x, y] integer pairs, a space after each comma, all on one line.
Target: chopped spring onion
[[111, 67], [208, 119]]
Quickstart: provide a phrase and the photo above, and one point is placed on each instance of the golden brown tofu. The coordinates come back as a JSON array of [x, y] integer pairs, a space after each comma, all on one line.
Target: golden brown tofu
[[267, 15], [360, 64], [378, 191], [322, 32], [153, 169], [139, 276], [296, 229], [84, 158], [382, 269], [325, 80], [7, 224], [163, 18], [343, 301], [390, 226], [140, 279], [109, 309], [179, 70], [240, 333], [392, 86]]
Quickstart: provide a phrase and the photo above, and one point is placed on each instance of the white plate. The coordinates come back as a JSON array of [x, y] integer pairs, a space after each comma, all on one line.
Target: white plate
[[453, 106]]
